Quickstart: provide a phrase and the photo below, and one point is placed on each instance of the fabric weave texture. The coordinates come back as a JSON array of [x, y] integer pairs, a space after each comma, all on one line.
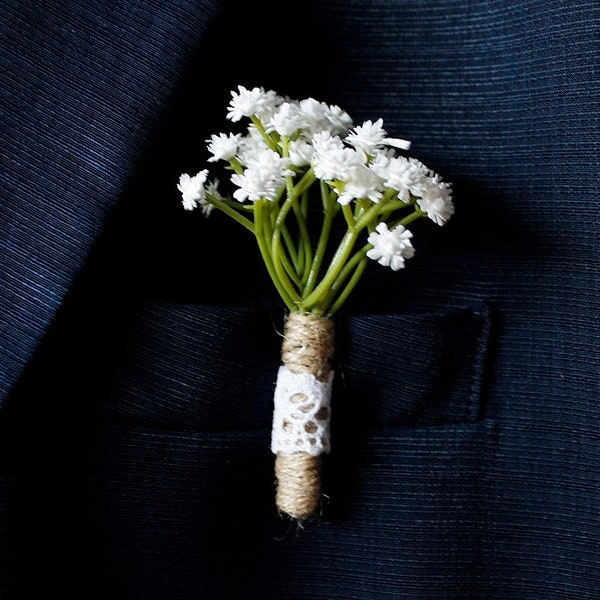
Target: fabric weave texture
[[136, 381]]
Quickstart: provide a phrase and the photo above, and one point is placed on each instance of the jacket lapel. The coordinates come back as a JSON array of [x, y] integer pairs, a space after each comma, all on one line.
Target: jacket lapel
[[83, 93]]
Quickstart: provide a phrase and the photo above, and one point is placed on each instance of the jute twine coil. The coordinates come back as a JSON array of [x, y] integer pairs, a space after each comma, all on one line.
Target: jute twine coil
[[308, 347]]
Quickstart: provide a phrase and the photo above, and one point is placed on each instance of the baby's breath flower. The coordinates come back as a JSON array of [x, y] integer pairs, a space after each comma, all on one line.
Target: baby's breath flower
[[331, 159], [405, 175], [340, 120], [314, 113], [286, 120], [192, 189], [222, 146], [301, 153], [319, 116], [246, 103], [362, 182], [263, 177], [251, 145], [371, 135], [325, 141], [336, 165], [211, 189], [367, 136], [435, 199], [390, 247]]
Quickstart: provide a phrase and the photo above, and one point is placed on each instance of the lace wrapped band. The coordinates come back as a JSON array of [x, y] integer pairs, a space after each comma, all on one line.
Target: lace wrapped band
[[301, 413]]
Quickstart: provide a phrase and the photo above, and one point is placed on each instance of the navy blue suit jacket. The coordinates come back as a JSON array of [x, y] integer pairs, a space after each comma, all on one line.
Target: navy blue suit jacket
[[136, 381]]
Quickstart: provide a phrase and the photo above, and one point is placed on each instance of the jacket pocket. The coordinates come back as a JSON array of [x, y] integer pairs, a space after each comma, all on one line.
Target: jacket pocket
[[200, 367], [408, 509], [192, 367], [403, 370]]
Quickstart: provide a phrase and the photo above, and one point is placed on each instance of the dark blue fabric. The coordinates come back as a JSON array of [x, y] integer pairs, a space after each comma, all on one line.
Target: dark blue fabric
[[84, 94], [136, 381]]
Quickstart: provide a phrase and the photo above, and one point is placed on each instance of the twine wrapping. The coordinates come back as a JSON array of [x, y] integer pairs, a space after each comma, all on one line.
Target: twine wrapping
[[302, 412]]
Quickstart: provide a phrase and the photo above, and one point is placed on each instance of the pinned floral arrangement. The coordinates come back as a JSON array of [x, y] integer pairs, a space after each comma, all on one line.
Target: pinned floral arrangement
[[295, 156]]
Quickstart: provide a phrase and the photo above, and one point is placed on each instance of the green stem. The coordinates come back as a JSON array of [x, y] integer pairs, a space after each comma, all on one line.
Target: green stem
[[304, 243], [348, 268], [302, 251], [417, 214], [343, 296], [337, 264], [305, 182], [369, 216], [267, 259], [349, 216], [281, 263], [279, 224], [287, 263], [291, 249], [266, 137], [328, 214], [236, 165], [301, 254], [232, 212]]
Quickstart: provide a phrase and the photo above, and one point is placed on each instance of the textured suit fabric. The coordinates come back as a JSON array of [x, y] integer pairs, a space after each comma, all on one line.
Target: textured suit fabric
[[136, 381]]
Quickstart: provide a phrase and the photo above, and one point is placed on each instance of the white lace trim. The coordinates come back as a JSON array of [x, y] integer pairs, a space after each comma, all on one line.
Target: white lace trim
[[301, 414]]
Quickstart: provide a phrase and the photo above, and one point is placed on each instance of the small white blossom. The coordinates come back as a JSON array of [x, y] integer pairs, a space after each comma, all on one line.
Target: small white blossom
[[192, 189], [211, 189], [340, 120], [331, 159], [434, 197], [301, 153], [314, 114], [251, 145], [263, 177], [337, 164], [362, 182], [319, 116], [246, 103], [367, 136], [286, 120], [371, 135], [325, 141], [222, 146], [390, 248], [405, 175]]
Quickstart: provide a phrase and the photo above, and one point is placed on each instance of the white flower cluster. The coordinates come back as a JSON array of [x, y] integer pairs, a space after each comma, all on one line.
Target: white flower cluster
[[361, 164], [390, 248]]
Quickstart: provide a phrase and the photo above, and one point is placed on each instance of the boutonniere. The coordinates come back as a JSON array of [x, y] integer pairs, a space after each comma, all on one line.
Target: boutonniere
[[323, 197]]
